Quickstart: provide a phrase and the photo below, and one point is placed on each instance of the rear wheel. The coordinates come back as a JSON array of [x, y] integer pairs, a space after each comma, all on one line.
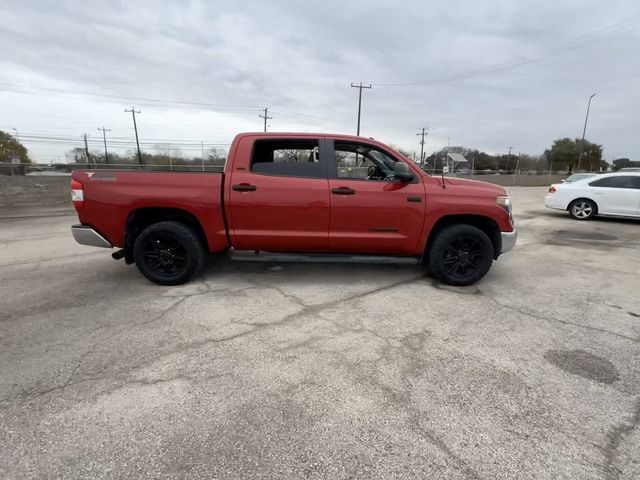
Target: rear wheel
[[460, 255], [168, 253], [583, 209]]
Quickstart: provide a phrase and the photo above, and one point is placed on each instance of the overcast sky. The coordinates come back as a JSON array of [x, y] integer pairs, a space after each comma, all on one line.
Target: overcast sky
[[488, 74]]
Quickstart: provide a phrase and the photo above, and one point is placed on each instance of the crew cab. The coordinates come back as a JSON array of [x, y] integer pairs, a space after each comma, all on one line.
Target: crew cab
[[300, 194]]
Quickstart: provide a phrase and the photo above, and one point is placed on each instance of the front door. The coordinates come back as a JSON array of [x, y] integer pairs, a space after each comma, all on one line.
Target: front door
[[370, 212], [281, 202]]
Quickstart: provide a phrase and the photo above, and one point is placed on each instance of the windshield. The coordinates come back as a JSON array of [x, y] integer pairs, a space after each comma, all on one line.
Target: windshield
[[579, 176]]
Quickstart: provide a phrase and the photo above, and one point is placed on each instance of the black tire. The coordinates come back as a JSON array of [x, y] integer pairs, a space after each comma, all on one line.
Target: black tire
[[168, 253], [460, 255], [583, 209]]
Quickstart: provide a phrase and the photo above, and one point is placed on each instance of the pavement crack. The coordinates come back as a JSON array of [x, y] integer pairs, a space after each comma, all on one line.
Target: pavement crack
[[256, 327], [617, 436], [415, 416], [558, 320], [69, 381]]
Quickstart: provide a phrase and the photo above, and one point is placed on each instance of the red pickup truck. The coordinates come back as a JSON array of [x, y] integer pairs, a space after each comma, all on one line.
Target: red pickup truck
[[296, 193]]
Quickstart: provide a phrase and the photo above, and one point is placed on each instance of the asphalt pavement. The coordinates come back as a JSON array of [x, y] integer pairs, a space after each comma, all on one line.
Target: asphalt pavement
[[288, 370]]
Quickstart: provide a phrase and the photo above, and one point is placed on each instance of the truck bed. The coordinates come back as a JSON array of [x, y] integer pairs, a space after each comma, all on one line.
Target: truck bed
[[112, 197]]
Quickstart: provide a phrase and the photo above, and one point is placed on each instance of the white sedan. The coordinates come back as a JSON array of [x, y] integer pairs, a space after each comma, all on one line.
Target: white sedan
[[612, 194]]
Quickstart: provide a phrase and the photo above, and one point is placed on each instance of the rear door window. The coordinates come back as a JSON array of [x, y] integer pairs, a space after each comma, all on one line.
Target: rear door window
[[621, 181], [288, 158]]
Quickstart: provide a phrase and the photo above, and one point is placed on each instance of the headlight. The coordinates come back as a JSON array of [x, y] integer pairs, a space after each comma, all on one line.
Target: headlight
[[505, 202]]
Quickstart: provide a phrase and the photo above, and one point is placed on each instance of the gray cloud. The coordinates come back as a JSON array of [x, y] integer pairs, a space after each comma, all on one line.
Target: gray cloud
[[299, 58]]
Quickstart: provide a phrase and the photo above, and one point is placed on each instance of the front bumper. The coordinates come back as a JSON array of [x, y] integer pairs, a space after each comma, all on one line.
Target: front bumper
[[88, 236], [508, 241]]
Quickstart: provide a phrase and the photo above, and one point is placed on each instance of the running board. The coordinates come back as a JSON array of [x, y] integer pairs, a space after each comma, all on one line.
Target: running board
[[259, 256]]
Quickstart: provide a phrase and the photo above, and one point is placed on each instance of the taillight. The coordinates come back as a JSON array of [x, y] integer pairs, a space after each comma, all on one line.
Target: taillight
[[552, 189], [77, 194]]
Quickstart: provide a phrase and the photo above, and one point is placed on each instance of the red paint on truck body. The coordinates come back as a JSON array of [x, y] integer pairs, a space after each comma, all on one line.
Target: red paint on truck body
[[291, 214], [110, 197]]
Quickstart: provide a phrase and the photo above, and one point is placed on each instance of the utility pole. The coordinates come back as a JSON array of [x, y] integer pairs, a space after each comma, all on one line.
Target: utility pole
[[266, 117], [104, 137], [584, 131], [86, 150], [509, 157], [360, 87], [202, 147], [422, 134], [17, 136], [135, 127]]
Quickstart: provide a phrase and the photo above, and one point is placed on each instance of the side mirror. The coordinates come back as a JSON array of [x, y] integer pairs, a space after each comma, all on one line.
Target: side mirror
[[402, 173]]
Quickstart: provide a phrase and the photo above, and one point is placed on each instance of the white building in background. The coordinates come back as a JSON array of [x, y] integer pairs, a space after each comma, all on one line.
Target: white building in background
[[455, 160]]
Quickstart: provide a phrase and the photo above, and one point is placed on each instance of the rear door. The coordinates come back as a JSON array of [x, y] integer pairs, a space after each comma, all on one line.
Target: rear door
[[370, 213], [616, 195], [279, 200]]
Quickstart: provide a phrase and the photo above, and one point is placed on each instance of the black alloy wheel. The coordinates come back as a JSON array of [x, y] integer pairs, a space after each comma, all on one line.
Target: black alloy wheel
[[460, 255], [165, 255], [168, 253]]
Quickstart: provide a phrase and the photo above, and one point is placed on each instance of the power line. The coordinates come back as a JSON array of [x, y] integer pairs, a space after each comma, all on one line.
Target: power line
[[576, 42], [118, 140], [266, 117], [153, 102], [359, 87], [139, 100], [304, 115]]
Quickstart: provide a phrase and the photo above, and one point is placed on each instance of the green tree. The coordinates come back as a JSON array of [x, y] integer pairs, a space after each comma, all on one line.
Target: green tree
[[563, 155], [10, 148], [624, 163], [619, 163], [77, 155]]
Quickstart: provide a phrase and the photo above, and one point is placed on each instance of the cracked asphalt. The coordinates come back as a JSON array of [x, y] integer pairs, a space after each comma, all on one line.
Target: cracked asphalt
[[284, 370]]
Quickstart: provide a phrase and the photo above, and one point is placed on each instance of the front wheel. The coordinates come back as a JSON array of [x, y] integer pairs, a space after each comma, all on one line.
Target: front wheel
[[168, 253], [460, 255]]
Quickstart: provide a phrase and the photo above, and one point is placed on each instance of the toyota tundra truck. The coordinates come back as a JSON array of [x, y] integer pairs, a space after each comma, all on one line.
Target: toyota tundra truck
[[296, 193]]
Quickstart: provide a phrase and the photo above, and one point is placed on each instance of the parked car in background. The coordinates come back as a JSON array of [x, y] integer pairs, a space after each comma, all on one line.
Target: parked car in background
[[610, 194], [578, 176]]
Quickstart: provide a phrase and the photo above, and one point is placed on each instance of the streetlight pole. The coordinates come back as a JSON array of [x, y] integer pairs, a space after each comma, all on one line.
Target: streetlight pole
[[584, 131], [17, 136]]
